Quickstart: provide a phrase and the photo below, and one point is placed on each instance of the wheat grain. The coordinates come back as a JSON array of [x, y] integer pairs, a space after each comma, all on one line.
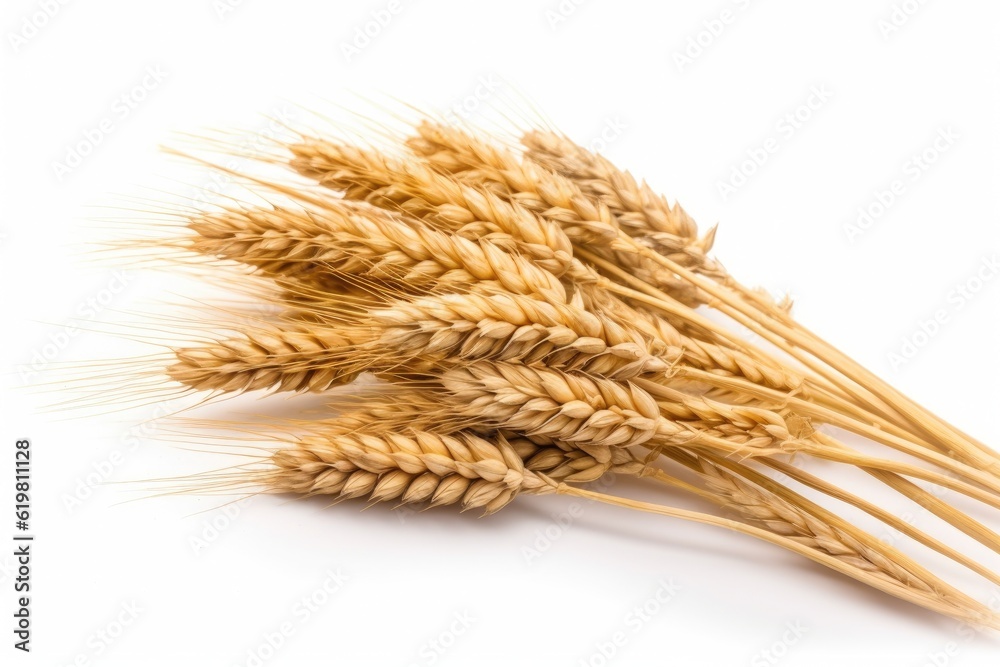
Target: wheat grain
[[423, 192]]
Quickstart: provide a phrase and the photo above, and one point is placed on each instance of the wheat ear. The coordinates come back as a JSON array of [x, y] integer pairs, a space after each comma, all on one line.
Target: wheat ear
[[422, 191]]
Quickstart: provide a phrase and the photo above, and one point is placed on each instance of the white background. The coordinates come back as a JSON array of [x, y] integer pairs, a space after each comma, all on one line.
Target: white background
[[685, 126]]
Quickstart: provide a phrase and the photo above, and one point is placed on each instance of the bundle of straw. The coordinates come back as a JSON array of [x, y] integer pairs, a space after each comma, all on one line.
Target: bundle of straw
[[535, 318]]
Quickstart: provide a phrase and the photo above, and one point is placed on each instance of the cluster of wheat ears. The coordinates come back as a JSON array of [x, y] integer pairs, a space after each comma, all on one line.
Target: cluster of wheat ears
[[535, 318]]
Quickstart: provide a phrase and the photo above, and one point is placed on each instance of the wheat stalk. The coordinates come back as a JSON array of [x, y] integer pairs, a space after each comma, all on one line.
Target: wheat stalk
[[294, 358], [746, 306]]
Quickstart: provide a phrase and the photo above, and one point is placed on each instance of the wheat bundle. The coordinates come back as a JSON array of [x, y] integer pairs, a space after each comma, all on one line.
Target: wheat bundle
[[534, 319]]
